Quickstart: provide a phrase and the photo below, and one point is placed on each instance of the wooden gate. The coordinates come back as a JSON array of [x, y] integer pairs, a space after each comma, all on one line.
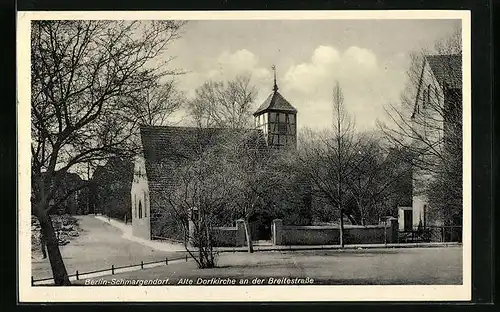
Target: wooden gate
[[260, 231]]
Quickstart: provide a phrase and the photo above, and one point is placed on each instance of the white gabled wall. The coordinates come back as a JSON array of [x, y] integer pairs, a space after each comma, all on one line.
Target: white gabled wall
[[141, 225], [421, 179]]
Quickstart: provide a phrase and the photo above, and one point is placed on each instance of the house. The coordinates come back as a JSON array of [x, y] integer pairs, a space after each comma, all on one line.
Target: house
[[437, 117], [166, 149]]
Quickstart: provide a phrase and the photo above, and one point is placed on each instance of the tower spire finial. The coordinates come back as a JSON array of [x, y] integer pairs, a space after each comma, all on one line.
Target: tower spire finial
[[275, 88]]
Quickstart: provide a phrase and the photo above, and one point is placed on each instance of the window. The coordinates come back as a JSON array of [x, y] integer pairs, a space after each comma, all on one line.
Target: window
[[140, 209], [272, 117], [282, 118], [282, 128], [291, 118], [145, 205], [135, 205]]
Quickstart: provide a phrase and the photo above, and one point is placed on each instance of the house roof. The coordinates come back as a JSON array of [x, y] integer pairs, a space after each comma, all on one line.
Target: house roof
[[275, 101], [447, 69], [167, 148]]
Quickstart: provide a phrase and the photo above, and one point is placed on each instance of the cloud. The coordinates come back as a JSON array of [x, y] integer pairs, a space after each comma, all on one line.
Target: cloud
[[227, 66], [367, 85]]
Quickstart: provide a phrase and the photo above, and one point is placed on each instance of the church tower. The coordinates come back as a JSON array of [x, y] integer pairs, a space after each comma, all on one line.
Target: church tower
[[277, 119]]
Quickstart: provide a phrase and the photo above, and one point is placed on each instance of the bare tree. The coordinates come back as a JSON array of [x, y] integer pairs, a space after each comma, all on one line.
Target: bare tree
[[153, 106], [342, 128], [198, 200], [81, 72], [328, 159], [428, 123], [253, 176], [219, 104], [375, 174]]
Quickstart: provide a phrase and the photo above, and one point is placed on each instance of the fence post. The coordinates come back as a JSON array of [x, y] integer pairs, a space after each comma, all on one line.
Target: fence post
[[385, 232], [166, 261], [32, 281], [142, 264], [112, 269], [277, 226], [77, 277], [186, 258]]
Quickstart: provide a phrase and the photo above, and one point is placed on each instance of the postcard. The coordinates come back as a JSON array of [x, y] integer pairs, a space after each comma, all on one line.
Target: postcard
[[244, 156]]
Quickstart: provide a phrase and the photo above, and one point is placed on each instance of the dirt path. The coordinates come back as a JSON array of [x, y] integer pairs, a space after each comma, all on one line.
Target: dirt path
[[99, 246]]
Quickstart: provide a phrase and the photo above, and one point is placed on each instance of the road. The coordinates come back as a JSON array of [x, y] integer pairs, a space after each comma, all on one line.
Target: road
[[99, 246], [400, 266]]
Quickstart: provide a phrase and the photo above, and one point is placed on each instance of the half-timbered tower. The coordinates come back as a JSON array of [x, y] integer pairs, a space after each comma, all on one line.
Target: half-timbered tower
[[277, 119]]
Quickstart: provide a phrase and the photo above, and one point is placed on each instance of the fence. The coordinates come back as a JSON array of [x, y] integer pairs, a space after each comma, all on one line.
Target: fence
[[113, 269], [444, 233]]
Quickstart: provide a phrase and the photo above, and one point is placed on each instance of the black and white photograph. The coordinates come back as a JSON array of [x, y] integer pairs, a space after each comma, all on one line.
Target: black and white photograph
[[305, 156]]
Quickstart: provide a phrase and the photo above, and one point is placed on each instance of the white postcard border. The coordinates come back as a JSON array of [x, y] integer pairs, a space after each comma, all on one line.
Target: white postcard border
[[28, 293]]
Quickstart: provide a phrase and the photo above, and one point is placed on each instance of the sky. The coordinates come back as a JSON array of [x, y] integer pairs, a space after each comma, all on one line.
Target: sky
[[368, 58]]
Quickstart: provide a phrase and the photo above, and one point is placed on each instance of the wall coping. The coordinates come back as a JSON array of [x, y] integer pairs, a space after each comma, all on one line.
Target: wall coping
[[333, 227], [225, 228]]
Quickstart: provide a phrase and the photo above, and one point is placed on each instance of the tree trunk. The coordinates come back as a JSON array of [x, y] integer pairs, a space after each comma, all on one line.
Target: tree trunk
[[43, 245], [341, 227], [56, 262], [248, 236], [211, 258]]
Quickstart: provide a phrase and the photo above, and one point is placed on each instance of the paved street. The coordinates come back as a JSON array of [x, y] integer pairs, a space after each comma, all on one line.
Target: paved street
[[414, 266], [98, 247]]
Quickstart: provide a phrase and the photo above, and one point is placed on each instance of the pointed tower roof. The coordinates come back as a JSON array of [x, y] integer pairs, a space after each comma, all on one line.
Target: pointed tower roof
[[275, 101]]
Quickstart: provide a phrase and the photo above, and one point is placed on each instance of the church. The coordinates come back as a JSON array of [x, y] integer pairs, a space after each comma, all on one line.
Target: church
[[165, 148]]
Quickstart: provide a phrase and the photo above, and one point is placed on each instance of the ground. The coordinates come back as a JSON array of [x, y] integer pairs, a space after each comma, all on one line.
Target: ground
[[98, 247], [414, 266]]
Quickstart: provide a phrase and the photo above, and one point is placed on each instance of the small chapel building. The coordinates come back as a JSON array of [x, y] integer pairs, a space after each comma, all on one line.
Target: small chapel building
[[166, 148]]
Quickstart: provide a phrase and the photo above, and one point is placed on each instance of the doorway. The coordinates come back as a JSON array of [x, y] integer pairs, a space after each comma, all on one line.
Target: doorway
[[408, 220], [260, 227]]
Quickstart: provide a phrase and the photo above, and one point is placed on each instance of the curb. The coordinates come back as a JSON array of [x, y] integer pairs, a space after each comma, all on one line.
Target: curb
[[348, 247]]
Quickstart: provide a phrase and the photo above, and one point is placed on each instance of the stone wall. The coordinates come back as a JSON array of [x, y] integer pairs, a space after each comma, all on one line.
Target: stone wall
[[233, 236], [230, 236], [330, 235]]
